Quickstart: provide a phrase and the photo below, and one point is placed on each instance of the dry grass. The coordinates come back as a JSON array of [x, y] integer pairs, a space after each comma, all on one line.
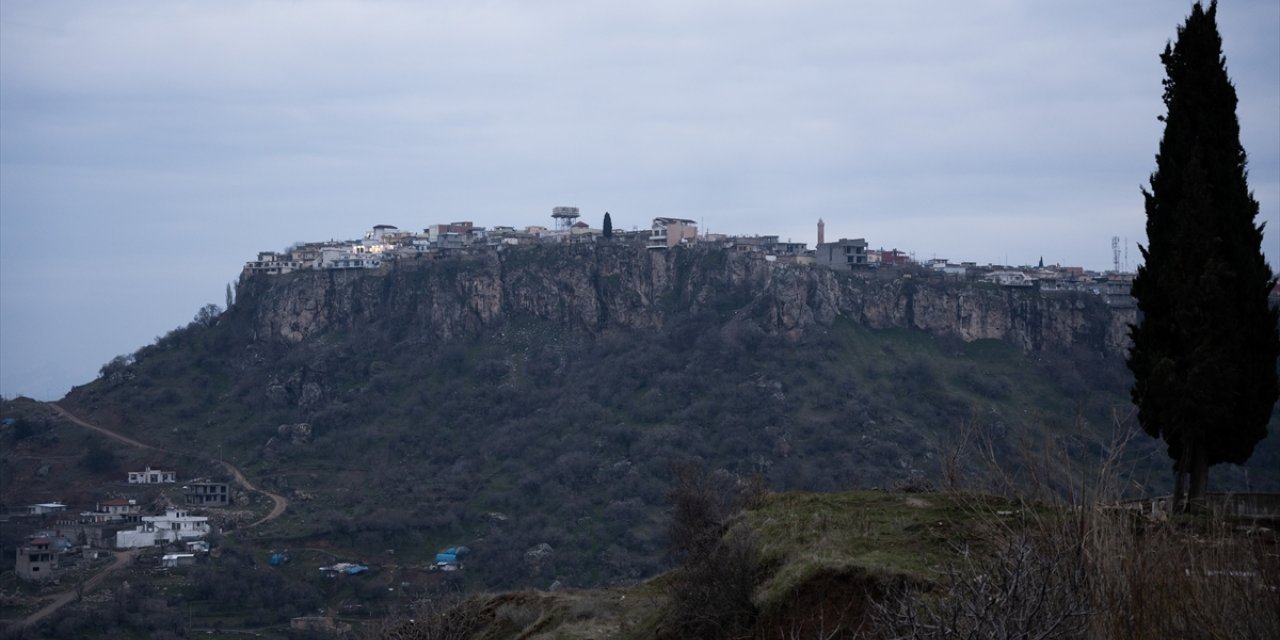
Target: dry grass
[[1065, 565]]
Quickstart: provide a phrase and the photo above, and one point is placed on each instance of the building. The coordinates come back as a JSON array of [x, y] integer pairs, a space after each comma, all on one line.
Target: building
[[460, 231], [202, 493], [843, 254], [115, 510], [1009, 278], [272, 263], [36, 560], [669, 232], [889, 257], [46, 508], [153, 476], [382, 232], [174, 526], [175, 560]]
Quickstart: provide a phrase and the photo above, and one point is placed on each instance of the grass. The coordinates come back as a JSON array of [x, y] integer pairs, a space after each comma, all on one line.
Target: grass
[[802, 535]]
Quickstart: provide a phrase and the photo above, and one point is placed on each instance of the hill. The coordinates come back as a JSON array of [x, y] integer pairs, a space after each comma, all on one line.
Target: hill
[[872, 564], [530, 403]]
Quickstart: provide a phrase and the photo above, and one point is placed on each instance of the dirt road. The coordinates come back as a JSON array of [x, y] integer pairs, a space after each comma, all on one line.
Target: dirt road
[[106, 432], [277, 509], [280, 503], [123, 559]]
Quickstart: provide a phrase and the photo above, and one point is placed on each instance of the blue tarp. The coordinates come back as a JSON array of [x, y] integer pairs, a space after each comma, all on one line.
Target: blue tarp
[[351, 571]]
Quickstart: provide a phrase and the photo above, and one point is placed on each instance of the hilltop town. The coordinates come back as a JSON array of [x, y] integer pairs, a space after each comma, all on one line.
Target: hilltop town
[[385, 244]]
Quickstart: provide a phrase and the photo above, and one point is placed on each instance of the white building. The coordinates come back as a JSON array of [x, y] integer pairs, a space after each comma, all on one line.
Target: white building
[[174, 526], [153, 476], [46, 507], [272, 263], [348, 257], [116, 510], [1009, 278]]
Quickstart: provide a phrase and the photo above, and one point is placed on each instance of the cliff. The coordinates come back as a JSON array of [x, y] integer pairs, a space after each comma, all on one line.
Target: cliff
[[599, 287]]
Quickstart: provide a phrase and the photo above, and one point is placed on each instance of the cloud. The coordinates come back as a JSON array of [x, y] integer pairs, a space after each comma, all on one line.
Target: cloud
[[187, 135]]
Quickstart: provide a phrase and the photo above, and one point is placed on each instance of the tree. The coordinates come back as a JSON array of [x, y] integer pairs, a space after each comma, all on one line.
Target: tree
[[1204, 351], [207, 316], [608, 226]]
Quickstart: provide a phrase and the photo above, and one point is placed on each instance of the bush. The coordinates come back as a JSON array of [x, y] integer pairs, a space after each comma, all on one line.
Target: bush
[[710, 594]]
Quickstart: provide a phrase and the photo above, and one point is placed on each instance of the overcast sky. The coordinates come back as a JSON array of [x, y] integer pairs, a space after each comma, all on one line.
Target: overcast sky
[[147, 149]]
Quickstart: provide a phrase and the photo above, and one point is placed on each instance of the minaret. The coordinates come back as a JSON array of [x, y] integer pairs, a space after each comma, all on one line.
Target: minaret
[[822, 229]]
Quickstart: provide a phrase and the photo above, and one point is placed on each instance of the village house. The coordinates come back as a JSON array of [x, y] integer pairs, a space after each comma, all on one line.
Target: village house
[[273, 263], [114, 510], [1009, 278], [669, 232], [889, 258], [173, 526], [45, 508], [842, 254], [175, 560], [153, 476], [769, 245], [204, 493], [383, 232], [36, 560]]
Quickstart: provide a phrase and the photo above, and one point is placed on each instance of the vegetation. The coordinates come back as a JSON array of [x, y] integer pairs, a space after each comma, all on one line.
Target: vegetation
[[531, 433], [550, 450], [1204, 355]]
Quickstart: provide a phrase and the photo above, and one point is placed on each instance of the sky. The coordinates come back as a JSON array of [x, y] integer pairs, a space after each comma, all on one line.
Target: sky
[[148, 149]]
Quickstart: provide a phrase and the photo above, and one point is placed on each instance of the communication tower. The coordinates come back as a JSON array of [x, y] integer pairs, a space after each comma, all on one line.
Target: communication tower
[[564, 217], [1115, 253]]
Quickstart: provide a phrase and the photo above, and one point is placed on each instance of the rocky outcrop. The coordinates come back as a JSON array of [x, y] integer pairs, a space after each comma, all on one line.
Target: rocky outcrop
[[598, 287]]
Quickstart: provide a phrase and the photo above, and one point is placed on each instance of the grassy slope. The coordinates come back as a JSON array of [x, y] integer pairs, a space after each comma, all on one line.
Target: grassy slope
[[842, 543], [571, 438]]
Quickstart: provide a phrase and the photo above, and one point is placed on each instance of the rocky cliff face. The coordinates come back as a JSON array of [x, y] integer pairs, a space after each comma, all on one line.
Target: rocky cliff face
[[595, 288]]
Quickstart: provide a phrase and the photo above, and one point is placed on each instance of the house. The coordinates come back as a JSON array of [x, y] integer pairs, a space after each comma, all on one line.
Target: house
[[153, 476], [669, 232], [889, 258], [273, 263], [1006, 278], [382, 231], [175, 560], [45, 508], [114, 510], [456, 232], [173, 526], [842, 254], [204, 493], [36, 560]]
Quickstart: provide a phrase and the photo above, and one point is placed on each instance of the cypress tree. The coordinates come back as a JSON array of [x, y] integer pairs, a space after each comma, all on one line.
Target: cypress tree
[[608, 226], [1204, 351]]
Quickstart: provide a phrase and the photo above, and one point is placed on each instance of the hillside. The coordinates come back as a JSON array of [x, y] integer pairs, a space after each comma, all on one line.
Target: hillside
[[539, 396], [876, 564]]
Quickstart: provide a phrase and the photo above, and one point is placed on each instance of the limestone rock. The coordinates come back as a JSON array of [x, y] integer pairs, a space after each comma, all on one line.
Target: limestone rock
[[594, 288]]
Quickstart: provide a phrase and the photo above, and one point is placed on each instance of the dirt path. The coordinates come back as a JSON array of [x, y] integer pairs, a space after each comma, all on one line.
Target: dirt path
[[106, 432], [277, 509], [123, 559], [279, 502]]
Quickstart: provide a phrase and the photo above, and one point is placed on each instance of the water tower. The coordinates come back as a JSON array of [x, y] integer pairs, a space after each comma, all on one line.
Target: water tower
[[564, 217]]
